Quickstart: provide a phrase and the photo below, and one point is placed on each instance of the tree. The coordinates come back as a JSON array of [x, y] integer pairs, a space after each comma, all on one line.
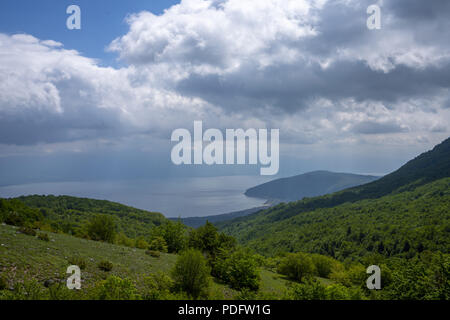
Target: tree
[[141, 243], [102, 228], [337, 292], [324, 265], [191, 273], [174, 235], [296, 266], [207, 239], [242, 270], [158, 244]]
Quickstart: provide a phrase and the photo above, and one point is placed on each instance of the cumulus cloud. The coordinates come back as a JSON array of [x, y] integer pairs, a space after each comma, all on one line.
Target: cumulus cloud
[[310, 67], [49, 94], [271, 57]]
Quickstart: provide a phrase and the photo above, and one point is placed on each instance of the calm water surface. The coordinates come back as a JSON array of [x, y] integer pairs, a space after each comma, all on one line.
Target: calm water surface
[[174, 197]]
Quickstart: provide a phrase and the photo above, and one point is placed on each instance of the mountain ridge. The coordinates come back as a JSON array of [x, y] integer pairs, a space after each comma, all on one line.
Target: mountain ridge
[[310, 184], [429, 171]]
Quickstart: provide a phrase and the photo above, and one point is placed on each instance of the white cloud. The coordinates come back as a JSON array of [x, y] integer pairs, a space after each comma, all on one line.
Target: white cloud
[[218, 36], [309, 67], [49, 94]]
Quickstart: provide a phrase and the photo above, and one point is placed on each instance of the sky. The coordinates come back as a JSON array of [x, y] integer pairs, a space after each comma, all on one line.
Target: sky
[[102, 102]]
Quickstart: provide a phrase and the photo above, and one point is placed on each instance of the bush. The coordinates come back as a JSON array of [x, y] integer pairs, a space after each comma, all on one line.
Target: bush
[[123, 240], [191, 273], [208, 240], [14, 212], [102, 228], [153, 253], [141, 243], [157, 287], [59, 291], [174, 233], [105, 266], [43, 237], [324, 265], [296, 266], [311, 290], [78, 261], [115, 288], [355, 274], [28, 290], [246, 294], [239, 269], [337, 292], [28, 231], [3, 283], [158, 244]]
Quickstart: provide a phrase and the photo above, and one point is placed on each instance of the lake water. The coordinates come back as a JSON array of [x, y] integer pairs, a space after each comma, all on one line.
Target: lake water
[[174, 197]]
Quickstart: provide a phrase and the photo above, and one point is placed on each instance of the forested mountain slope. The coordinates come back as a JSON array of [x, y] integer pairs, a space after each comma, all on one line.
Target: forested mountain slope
[[69, 214], [400, 224], [427, 167], [402, 213]]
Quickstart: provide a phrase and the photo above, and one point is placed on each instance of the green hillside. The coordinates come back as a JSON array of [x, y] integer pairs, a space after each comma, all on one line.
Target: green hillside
[[32, 262], [401, 224], [427, 167], [405, 211], [70, 214], [28, 257]]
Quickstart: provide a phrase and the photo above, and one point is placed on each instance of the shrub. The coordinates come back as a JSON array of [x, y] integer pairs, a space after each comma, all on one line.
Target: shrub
[[28, 231], [207, 239], [141, 243], [239, 269], [337, 292], [355, 274], [59, 291], [191, 273], [157, 287], [153, 253], [243, 271], [324, 265], [296, 266], [311, 290], [246, 294], [28, 290], [115, 288], [78, 261], [43, 237], [158, 244], [105, 266], [3, 283], [14, 212], [102, 228], [174, 235], [123, 240]]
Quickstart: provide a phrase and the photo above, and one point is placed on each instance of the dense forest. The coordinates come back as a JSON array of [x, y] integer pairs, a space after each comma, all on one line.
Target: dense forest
[[401, 214], [400, 225], [70, 214]]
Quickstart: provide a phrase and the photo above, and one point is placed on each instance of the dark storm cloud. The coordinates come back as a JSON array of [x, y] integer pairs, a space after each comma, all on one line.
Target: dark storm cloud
[[291, 86], [414, 10], [302, 84], [371, 127]]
